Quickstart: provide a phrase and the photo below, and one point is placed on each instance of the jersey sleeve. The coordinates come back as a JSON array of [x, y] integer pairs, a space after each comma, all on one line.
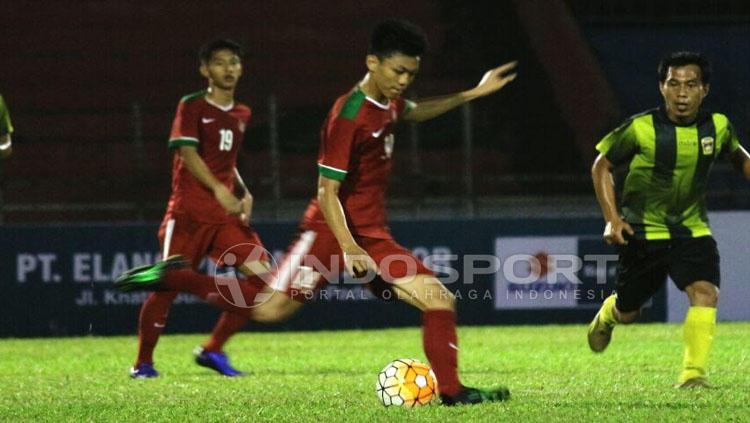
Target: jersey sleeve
[[404, 106], [620, 145], [5, 126], [336, 147], [185, 125], [732, 141]]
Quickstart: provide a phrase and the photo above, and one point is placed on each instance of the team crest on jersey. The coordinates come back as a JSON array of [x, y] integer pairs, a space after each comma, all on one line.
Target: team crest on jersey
[[707, 145]]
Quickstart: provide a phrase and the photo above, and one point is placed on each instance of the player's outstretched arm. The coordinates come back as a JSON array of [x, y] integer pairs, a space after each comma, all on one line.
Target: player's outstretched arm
[[492, 81], [197, 167], [356, 259], [604, 185], [741, 161]]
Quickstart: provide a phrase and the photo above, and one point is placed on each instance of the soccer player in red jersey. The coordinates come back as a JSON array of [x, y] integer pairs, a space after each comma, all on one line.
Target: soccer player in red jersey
[[348, 217], [204, 217], [345, 226]]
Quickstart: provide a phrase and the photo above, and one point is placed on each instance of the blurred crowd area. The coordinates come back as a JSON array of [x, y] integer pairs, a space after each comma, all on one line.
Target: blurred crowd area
[[93, 94]]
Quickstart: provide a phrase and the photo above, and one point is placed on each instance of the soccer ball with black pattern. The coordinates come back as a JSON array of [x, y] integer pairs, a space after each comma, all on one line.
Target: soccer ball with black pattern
[[406, 382]]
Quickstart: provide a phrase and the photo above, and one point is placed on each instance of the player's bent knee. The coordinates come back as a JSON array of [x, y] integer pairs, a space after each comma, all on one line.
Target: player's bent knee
[[266, 316], [703, 294], [278, 309], [440, 299], [626, 317]]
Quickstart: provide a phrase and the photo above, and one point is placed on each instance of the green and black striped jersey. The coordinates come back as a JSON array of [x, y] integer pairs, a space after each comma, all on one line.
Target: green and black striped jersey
[[5, 126], [664, 194]]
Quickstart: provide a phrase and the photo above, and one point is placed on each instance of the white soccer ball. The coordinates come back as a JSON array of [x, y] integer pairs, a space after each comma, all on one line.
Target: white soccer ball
[[406, 382]]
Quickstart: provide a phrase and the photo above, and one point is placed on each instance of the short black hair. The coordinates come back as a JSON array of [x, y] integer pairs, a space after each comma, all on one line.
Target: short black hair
[[684, 58], [394, 36], [208, 49]]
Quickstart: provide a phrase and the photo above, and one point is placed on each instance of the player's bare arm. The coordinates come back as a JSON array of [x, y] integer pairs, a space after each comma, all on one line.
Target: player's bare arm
[[604, 185], [5, 146], [356, 259], [247, 198], [197, 167], [741, 161], [492, 81]]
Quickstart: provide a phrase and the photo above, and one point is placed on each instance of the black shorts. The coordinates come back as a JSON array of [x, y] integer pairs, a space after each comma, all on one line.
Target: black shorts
[[644, 265]]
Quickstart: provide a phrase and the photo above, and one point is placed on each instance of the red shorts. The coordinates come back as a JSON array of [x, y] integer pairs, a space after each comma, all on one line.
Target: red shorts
[[314, 258], [226, 243]]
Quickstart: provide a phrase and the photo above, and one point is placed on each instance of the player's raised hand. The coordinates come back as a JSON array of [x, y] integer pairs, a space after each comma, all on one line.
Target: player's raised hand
[[357, 262], [231, 204], [613, 232], [495, 79]]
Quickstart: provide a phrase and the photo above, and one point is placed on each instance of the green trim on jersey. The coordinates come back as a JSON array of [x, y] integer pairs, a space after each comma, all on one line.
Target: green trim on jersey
[[6, 127], [179, 142], [408, 106], [353, 104], [194, 96], [664, 194], [331, 173]]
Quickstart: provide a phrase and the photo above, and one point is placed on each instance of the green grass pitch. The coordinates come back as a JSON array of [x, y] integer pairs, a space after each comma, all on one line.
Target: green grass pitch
[[330, 376]]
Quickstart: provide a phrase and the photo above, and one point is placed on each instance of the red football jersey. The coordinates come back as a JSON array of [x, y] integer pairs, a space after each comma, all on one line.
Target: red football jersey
[[217, 132], [356, 147]]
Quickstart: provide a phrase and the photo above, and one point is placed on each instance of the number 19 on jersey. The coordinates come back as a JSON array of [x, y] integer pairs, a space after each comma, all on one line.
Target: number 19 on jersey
[[227, 137]]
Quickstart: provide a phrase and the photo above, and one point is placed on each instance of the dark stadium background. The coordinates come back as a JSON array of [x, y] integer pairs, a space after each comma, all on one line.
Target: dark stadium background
[[92, 87]]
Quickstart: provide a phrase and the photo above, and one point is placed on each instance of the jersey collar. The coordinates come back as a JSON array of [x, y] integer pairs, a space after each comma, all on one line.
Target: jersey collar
[[373, 101], [222, 108], [661, 112]]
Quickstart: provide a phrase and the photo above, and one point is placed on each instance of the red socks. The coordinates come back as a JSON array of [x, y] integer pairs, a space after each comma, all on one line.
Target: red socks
[[156, 308], [151, 322], [441, 347], [228, 325]]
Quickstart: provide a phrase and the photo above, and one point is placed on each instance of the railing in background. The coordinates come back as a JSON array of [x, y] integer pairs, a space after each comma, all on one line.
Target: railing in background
[[273, 141], [468, 162], [140, 156], [426, 182]]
